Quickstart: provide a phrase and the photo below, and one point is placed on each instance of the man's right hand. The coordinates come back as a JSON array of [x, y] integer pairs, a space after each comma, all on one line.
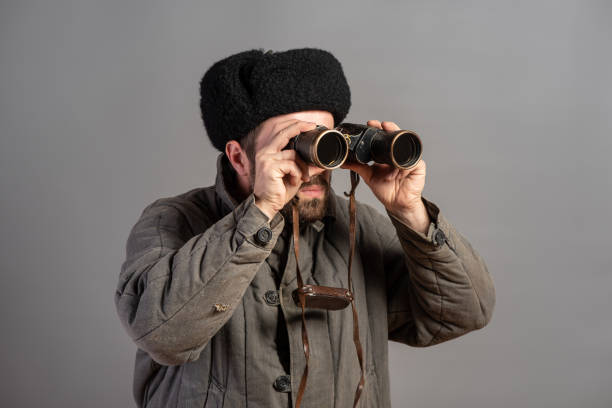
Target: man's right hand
[[278, 173]]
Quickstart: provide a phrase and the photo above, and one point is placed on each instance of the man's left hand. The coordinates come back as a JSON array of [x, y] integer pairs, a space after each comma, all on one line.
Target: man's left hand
[[397, 189]]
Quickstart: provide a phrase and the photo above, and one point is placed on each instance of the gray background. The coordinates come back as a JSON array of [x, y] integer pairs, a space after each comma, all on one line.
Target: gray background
[[99, 117]]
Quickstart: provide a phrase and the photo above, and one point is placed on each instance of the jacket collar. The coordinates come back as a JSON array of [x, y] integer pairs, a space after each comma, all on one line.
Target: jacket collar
[[225, 175]]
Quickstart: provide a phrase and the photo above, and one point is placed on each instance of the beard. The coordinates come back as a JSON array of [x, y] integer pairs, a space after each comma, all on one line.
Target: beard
[[310, 209]]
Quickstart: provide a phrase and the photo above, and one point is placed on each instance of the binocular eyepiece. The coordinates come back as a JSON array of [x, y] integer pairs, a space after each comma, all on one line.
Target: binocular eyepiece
[[330, 148]]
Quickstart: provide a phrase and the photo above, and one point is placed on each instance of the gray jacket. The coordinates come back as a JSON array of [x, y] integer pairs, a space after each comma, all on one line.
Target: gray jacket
[[207, 300]]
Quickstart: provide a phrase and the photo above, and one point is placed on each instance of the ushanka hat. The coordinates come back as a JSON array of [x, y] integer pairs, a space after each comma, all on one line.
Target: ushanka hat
[[242, 90]]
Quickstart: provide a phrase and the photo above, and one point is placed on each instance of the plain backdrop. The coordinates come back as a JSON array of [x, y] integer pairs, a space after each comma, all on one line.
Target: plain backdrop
[[99, 117]]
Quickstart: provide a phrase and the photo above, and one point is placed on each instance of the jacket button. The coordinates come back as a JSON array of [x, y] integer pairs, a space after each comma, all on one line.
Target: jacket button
[[263, 236], [283, 383], [272, 298], [439, 238]]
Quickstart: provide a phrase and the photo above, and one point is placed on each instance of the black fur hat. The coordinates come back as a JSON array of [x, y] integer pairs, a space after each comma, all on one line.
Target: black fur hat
[[241, 91]]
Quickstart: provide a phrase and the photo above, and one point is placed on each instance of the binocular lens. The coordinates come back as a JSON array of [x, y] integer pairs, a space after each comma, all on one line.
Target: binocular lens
[[321, 147], [331, 149], [406, 149]]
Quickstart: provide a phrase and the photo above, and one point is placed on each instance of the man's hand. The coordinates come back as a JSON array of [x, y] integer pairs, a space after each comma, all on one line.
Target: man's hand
[[398, 190], [278, 173]]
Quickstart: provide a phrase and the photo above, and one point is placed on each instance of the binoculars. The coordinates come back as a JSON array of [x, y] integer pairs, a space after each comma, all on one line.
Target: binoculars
[[330, 148]]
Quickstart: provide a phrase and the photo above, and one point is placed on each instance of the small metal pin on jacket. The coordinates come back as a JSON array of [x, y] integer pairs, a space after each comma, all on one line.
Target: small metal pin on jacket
[[221, 307]]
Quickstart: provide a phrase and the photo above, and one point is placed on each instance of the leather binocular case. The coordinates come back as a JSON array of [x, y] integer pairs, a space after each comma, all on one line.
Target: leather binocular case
[[330, 148], [323, 297]]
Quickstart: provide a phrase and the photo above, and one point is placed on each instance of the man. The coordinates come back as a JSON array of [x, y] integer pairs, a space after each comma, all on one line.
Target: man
[[206, 289]]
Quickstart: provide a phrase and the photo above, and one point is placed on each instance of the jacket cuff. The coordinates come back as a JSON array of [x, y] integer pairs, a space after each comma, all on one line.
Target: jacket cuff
[[436, 236], [254, 225]]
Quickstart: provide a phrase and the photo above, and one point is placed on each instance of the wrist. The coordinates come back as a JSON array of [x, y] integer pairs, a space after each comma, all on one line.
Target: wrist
[[415, 217], [266, 209]]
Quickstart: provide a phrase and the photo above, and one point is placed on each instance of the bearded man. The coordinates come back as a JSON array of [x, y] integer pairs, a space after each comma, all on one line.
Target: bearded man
[[206, 289]]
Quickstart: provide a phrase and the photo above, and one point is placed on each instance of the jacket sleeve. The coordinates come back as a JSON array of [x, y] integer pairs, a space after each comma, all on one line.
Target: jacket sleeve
[[438, 286], [176, 289]]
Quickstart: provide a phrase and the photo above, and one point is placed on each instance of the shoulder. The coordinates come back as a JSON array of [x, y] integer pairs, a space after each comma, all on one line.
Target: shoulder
[[192, 211], [200, 197]]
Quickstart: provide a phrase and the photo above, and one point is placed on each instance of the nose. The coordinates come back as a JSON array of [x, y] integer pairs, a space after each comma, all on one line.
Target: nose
[[314, 171]]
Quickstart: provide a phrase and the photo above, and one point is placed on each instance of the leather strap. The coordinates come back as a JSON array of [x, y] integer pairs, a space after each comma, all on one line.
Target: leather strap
[[352, 233], [302, 297]]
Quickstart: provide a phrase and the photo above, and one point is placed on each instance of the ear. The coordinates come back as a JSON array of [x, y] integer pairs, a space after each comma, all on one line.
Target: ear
[[237, 158]]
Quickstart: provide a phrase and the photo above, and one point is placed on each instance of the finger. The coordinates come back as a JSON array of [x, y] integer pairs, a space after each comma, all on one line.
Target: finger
[[288, 154], [390, 172], [280, 140], [269, 135], [265, 134], [374, 123], [292, 181], [291, 169], [420, 168], [278, 126], [303, 168], [390, 126], [383, 171], [294, 156]]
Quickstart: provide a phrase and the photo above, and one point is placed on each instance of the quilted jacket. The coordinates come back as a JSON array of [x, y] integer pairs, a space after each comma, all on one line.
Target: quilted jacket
[[205, 294]]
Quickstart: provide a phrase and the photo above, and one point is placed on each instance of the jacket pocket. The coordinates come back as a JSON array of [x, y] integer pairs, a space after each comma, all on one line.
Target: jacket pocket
[[215, 395]]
